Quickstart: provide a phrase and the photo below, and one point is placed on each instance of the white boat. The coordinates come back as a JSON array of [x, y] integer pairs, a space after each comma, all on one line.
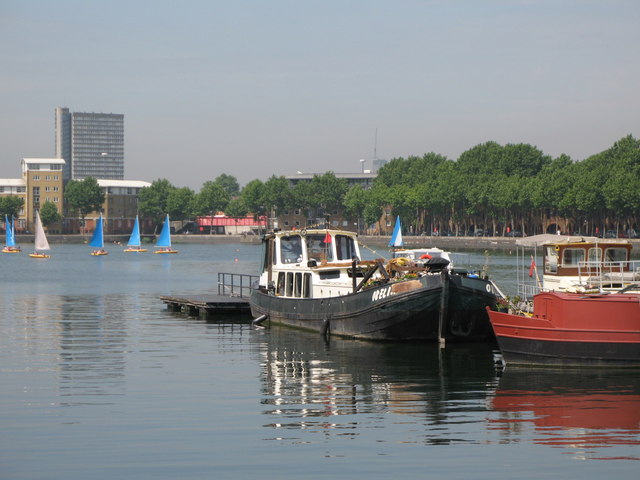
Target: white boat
[[164, 240], [40, 244]]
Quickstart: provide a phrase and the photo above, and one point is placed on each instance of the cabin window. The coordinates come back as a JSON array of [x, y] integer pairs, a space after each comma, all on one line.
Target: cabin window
[[595, 255], [306, 287], [289, 292], [318, 249], [551, 261], [330, 275], [345, 247], [298, 285], [280, 288], [615, 255], [291, 249], [572, 257]]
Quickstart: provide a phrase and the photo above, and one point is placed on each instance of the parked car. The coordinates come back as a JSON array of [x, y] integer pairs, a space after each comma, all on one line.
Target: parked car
[[514, 233]]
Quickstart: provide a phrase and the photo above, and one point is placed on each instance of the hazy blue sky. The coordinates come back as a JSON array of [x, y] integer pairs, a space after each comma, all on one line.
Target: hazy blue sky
[[254, 88]]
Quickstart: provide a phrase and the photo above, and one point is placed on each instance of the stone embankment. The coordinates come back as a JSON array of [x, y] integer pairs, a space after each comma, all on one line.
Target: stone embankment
[[446, 243]]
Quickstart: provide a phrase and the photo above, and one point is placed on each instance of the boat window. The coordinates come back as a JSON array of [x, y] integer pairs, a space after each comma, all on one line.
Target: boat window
[[331, 274], [280, 289], [595, 255], [298, 285], [306, 288], [318, 249], [572, 257], [615, 255], [345, 247], [551, 260], [289, 292], [291, 249]]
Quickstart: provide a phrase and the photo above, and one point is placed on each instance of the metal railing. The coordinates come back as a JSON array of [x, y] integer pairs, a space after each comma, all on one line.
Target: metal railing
[[236, 284]]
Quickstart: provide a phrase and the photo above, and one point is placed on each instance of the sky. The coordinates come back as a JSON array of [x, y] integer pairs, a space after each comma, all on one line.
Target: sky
[[255, 88]]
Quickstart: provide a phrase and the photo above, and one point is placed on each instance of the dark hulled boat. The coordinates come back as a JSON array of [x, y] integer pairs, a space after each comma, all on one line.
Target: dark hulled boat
[[313, 280]]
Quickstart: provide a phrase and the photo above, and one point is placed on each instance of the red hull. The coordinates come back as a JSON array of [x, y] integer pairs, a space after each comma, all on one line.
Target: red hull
[[572, 329]]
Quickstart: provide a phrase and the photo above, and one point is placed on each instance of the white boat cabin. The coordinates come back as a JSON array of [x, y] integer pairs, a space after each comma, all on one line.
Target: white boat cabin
[[586, 263], [309, 263]]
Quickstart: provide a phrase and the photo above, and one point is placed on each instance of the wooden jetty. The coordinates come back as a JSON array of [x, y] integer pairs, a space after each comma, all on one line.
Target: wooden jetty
[[232, 298], [206, 306]]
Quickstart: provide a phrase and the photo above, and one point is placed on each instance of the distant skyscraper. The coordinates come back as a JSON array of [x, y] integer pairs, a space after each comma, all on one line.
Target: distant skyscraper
[[91, 143]]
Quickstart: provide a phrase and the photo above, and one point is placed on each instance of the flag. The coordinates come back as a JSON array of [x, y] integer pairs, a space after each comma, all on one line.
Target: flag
[[327, 238], [396, 237], [532, 267]]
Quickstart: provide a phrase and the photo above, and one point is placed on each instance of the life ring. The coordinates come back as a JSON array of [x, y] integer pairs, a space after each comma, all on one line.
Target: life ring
[[425, 256]]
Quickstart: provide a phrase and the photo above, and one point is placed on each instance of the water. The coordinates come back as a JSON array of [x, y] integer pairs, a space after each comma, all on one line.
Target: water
[[98, 380]]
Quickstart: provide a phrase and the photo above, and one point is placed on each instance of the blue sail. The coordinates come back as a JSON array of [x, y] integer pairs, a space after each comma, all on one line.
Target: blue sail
[[11, 234], [97, 240], [164, 240], [396, 237], [134, 239]]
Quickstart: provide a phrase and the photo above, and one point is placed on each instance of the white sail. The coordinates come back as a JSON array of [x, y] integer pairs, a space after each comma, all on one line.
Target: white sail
[[40, 242]]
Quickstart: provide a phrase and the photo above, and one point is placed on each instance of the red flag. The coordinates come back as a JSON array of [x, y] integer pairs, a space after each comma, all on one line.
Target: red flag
[[532, 267], [327, 238]]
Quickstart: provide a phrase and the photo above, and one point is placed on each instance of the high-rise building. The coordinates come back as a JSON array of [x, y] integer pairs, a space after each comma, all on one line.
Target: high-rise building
[[92, 144]]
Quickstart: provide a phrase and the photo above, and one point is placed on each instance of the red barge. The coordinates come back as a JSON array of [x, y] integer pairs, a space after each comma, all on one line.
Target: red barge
[[586, 311]]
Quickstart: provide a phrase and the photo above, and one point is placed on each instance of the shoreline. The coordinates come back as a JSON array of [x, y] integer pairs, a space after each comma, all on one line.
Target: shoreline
[[452, 243]]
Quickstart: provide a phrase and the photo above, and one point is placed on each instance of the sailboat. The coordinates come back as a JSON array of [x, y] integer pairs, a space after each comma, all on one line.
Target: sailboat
[[396, 237], [40, 244], [10, 246], [134, 244], [164, 240], [97, 240]]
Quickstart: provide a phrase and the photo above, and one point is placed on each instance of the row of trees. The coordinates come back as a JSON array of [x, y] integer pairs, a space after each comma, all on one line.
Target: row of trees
[[490, 186]]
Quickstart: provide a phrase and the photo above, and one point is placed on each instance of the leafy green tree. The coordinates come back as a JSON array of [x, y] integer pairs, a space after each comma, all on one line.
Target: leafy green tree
[[277, 194], [84, 196], [181, 203], [211, 199], [253, 197], [10, 206], [236, 208], [153, 200], [229, 183], [49, 214]]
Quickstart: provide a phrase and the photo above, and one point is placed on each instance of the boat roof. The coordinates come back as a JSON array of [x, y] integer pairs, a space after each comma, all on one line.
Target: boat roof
[[551, 239], [311, 231]]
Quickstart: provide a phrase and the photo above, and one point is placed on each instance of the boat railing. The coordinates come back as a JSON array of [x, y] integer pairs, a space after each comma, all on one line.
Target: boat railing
[[235, 284], [527, 291], [609, 275]]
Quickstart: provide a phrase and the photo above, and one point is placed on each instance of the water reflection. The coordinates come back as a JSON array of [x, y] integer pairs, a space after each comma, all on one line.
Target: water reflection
[[582, 412], [348, 387], [93, 337]]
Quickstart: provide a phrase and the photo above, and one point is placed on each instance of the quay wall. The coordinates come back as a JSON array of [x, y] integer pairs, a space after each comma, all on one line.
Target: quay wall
[[447, 243]]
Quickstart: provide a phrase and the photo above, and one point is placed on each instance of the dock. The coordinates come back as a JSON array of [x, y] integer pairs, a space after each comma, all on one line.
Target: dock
[[233, 294], [206, 306]]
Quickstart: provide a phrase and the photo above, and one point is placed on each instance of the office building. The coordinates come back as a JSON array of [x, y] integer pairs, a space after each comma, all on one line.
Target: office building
[[92, 144]]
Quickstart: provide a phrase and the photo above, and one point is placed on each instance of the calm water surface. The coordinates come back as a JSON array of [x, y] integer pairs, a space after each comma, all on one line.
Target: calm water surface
[[99, 381]]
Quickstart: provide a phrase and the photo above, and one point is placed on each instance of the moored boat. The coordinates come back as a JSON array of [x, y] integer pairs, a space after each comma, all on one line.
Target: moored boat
[[584, 311], [572, 329], [314, 279]]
